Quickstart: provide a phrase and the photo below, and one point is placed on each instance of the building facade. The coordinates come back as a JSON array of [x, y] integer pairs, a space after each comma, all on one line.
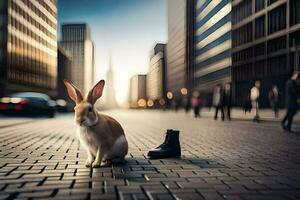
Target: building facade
[[265, 41], [64, 67], [28, 46], [76, 40], [212, 45], [156, 76], [137, 91], [176, 71]]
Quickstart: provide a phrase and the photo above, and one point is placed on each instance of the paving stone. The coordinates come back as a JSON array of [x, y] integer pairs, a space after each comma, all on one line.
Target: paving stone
[[231, 160]]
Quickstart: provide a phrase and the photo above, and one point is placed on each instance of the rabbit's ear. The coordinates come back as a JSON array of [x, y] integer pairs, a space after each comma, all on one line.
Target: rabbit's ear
[[96, 92], [73, 92]]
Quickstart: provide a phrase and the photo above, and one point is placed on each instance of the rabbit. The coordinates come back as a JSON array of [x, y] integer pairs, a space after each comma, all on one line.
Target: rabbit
[[101, 135]]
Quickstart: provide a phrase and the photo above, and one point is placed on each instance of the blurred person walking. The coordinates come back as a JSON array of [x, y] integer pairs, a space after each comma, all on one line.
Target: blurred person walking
[[274, 99], [218, 102], [227, 100], [254, 97], [292, 95], [196, 103], [187, 103]]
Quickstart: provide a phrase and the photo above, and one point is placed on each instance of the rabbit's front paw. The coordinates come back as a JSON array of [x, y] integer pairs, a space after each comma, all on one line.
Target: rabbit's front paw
[[88, 163]]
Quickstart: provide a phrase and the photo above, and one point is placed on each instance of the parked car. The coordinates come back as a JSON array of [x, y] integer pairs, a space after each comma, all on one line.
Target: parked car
[[27, 103], [61, 105]]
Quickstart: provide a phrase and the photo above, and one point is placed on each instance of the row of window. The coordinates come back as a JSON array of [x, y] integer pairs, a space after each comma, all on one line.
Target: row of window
[[274, 66], [273, 46], [241, 11], [276, 17], [48, 8], [28, 50], [276, 22], [242, 35], [24, 29], [38, 12], [27, 16], [30, 79]]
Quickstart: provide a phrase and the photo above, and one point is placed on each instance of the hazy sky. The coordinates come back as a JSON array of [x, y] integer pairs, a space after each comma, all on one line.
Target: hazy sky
[[128, 29]]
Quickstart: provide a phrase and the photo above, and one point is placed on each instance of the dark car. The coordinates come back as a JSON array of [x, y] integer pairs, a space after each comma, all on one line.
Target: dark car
[[27, 103]]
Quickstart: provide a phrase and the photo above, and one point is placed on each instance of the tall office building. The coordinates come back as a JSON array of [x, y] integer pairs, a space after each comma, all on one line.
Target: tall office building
[[178, 51], [64, 67], [265, 41], [28, 46], [156, 76], [199, 45], [212, 64], [137, 90], [76, 40]]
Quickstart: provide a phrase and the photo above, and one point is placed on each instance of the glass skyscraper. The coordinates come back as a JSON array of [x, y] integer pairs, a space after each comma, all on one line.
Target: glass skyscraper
[[212, 58]]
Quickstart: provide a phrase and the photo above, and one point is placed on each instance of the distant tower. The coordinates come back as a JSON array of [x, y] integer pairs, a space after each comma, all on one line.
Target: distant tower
[[110, 101], [76, 40]]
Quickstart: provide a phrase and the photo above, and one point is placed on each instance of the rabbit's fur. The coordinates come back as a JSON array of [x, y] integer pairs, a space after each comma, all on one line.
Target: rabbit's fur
[[102, 136]]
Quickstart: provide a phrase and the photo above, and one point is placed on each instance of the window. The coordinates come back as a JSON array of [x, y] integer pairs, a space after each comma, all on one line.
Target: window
[[277, 19], [294, 12], [241, 11], [260, 27], [259, 5], [276, 44], [259, 50], [271, 1]]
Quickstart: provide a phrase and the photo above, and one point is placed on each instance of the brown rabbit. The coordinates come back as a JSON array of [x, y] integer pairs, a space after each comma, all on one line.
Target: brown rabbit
[[102, 136]]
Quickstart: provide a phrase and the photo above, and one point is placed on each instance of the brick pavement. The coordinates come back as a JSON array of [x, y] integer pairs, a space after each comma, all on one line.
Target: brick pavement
[[230, 160]]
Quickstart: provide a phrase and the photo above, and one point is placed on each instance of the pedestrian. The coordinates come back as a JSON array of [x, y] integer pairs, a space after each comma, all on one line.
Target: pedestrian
[[218, 100], [274, 99], [227, 100], [292, 95], [196, 101], [187, 104], [247, 105], [254, 97]]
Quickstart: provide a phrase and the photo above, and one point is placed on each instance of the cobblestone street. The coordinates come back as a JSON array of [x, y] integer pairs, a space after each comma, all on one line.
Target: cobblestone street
[[220, 160]]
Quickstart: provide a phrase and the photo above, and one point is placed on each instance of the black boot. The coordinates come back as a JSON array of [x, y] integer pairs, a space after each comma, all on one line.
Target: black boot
[[169, 131], [170, 148]]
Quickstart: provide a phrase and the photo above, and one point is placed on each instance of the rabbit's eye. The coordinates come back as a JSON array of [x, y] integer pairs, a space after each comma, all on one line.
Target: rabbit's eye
[[90, 109]]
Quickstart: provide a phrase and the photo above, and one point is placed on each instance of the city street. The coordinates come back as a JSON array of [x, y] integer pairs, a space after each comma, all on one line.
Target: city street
[[42, 158]]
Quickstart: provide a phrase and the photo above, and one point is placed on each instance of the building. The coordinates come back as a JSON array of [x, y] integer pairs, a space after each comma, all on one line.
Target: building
[[137, 91], [76, 40], [64, 68], [156, 76], [28, 46], [110, 94], [178, 52], [212, 45], [265, 41]]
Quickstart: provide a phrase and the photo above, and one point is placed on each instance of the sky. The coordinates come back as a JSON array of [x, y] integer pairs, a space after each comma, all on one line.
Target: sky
[[126, 30]]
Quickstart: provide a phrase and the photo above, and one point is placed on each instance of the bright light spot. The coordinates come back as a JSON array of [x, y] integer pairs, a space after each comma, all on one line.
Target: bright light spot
[[162, 102], [5, 100], [184, 91], [170, 95], [142, 103], [15, 100], [150, 103]]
